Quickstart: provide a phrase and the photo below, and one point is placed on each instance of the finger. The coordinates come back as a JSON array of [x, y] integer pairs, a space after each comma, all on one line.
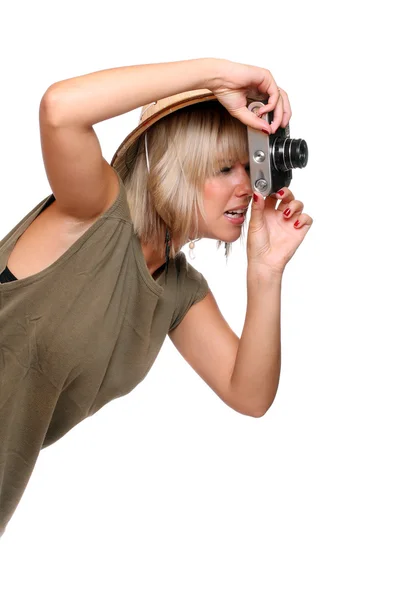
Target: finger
[[278, 114], [272, 102], [284, 194], [284, 199], [287, 110], [250, 119], [269, 87], [257, 210], [303, 221], [294, 207]]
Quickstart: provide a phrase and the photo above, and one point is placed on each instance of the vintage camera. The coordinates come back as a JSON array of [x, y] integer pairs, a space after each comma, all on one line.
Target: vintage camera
[[272, 157]]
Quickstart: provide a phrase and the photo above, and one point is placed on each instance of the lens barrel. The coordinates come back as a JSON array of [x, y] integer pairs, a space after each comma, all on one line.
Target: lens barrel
[[289, 154]]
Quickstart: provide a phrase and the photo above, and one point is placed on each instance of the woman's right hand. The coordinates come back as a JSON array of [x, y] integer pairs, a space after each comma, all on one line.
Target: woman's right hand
[[236, 82]]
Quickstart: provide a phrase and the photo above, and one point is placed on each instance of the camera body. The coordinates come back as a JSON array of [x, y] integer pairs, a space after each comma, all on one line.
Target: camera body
[[272, 157]]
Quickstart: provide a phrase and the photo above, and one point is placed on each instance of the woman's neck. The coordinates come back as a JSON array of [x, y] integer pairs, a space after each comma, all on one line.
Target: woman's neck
[[153, 260]]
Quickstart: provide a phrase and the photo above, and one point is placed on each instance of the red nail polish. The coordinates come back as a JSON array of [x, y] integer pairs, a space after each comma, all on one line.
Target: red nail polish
[[255, 198], [281, 192], [265, 131], [297, 224], [286, 212]]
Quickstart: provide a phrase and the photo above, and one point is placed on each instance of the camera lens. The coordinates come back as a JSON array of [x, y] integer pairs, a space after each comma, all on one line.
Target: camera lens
[[289, 154]]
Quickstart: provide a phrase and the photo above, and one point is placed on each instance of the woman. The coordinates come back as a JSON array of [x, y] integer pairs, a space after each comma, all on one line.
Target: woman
[[93, 278]]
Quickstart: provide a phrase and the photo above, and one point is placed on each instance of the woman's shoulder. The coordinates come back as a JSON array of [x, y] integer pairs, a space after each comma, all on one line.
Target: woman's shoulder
[[186, 270]]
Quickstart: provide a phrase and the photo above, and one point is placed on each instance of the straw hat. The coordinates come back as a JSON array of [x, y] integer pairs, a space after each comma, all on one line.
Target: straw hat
[[153, 112]]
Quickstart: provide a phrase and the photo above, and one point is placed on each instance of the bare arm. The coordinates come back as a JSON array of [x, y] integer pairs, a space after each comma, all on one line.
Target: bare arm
[[92, 98], [256, 373], [243, 372], [82, 181]]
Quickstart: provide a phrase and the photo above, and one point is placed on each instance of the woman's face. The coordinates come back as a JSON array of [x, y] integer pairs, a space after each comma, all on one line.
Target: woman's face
[[229, 190]]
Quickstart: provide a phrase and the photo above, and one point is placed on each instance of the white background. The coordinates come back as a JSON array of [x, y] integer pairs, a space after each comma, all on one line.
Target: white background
[[167, 492]]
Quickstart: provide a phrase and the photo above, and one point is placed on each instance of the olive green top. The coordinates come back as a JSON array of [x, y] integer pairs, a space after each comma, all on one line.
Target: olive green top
[[83, 331]]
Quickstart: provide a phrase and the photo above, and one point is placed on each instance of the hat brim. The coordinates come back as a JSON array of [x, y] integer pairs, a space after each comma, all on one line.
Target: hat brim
[[161, 109]]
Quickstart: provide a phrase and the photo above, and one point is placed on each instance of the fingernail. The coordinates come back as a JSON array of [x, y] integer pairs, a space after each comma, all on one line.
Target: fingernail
[[265, 131], [255, 198], [281, 192], [296, 224], [286, 212]]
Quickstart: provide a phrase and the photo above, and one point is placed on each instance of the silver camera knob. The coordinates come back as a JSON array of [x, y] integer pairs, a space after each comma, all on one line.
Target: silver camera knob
[[261, 185]]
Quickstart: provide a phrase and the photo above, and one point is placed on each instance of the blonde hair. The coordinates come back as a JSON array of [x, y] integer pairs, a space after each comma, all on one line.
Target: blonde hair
[[184, 149]]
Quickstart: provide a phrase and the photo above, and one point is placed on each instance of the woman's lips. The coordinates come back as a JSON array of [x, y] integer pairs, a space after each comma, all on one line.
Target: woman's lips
[[238, 220]]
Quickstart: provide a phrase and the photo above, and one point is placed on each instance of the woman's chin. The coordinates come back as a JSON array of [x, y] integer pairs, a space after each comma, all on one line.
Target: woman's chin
[[231, 233], [228, 232], [225, 237]]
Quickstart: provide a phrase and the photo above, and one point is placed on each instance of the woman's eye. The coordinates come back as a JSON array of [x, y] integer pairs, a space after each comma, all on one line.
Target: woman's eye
[[227, 169]]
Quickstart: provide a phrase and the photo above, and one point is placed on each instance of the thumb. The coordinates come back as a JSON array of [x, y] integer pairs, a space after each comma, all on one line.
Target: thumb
[[257, 209]]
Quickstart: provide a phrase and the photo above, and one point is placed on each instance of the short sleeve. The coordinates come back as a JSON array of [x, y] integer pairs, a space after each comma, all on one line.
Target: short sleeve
[[192, 287]]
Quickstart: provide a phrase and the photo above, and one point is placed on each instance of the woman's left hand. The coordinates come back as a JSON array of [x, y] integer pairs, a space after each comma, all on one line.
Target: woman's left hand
[[273, 234]]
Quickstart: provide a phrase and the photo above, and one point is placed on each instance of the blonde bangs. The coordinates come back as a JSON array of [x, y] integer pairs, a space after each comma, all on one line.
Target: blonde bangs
[[230, 146]]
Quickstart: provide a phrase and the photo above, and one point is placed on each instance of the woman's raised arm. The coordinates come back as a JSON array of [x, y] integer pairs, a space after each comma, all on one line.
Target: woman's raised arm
[[95, 97], [82, 181]]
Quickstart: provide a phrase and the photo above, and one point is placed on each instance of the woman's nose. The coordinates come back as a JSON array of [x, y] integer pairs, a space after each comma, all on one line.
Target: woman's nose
[[244, 180]]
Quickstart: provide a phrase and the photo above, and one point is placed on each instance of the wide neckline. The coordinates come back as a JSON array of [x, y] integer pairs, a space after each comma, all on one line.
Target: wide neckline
[[155, 286], [19, 283]]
